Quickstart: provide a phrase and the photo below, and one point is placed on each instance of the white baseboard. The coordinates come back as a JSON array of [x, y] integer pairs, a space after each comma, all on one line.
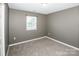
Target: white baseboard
[[26, 41], [63, 43], [7, 51], [41, 38]]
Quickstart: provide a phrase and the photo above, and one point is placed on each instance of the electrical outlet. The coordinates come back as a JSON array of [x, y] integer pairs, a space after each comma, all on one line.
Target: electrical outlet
[[14, 38]]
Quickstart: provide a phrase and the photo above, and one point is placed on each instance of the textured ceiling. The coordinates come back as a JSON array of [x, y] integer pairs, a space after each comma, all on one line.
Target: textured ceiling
[[41, 8]]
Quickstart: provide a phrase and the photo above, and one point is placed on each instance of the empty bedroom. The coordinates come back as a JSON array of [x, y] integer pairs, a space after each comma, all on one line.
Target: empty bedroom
[[41, 29]]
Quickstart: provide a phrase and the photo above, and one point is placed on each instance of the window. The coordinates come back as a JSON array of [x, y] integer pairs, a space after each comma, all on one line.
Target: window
[[31, 22]]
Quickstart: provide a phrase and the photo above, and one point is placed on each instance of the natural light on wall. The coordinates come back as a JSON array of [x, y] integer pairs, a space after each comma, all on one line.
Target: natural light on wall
[[31, 23]]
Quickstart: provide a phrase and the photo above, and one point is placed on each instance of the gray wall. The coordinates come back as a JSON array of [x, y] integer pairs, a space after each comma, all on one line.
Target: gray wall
[[6, 24], [64, 26], [17, 26]]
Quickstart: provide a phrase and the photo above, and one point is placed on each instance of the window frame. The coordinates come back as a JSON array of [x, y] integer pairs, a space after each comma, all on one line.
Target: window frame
[[27, 23]]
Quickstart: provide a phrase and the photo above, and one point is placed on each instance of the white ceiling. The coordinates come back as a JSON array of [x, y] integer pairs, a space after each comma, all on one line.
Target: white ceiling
[[39, 8]]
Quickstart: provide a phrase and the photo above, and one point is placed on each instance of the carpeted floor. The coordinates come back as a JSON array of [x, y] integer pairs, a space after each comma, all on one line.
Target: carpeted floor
[[42, 47]]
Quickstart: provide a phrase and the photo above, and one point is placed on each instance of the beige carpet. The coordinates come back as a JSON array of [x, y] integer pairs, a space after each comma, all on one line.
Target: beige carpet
[[42, 47]]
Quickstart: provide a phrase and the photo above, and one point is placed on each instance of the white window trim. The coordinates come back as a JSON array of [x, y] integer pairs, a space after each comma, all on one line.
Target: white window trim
[[35, 22]]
